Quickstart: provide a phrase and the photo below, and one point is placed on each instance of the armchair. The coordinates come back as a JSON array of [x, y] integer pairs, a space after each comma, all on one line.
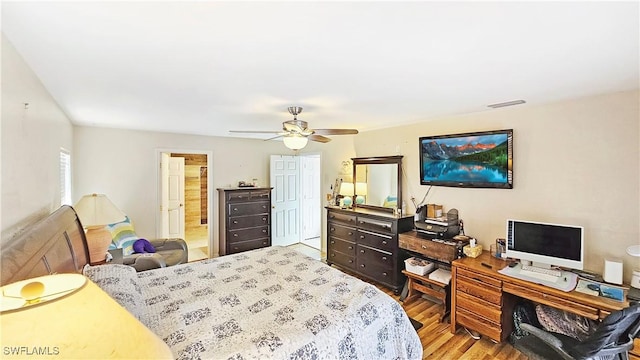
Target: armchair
[[612, 339], [168, 252]]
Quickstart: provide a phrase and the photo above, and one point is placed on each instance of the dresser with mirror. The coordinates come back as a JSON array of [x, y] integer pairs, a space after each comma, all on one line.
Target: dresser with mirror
[[363, 238]]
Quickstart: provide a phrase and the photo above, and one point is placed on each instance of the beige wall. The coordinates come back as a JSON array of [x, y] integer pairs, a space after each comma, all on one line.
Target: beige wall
[[31, 142], [121, 164], [576, 162]]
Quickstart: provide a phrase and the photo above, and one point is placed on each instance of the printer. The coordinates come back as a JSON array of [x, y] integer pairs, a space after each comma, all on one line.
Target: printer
[[445, 227]]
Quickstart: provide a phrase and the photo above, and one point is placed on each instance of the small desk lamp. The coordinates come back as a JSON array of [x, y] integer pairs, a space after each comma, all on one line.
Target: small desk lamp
[[67, 316], [95, 212], [346, 190], [361, 192]]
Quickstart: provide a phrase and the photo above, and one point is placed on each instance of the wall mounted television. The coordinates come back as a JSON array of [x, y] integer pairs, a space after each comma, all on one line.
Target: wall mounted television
[[476, 160]]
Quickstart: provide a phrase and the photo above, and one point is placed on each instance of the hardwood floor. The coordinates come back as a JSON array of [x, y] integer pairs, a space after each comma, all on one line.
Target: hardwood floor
[[439, 343]]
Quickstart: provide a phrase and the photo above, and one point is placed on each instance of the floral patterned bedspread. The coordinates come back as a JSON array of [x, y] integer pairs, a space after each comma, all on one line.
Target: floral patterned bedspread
[[271, 303]]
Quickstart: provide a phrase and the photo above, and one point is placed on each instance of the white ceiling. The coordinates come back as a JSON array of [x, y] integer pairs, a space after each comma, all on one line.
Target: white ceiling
[[209, 67]]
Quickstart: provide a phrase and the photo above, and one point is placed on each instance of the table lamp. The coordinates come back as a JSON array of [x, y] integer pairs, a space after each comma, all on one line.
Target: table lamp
[[361, 192], [68, 316], [95, 212], [346, 190]]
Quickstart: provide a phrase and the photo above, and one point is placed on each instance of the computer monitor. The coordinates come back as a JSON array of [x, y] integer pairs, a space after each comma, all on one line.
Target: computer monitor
[[546, 244]]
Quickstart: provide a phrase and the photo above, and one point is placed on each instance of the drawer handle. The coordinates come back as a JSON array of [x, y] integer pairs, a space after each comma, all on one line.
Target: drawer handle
[[333, 241], [333, 255], [361, 251], [235, 221], [235, 209], [350, 247], [235, 248], [384, 258], [264, 231], [361, 236], [264, 206], [332, 216], [384, 242], [235, 235], [350, 233], [384, 274], [333, 229], [264, 243], [264, 219], [350, 261], [424, 247], [362, 265]]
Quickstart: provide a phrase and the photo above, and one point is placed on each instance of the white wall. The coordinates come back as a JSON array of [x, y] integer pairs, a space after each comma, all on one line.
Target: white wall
[[122, 164], [31, 140], [575, 162]]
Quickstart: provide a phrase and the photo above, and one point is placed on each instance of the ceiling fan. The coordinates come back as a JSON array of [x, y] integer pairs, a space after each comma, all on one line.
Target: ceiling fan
[[296, 133]]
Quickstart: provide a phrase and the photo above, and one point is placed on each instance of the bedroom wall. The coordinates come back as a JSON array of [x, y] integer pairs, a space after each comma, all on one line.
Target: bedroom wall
[[121, 164], [31, 140], [575, 162]]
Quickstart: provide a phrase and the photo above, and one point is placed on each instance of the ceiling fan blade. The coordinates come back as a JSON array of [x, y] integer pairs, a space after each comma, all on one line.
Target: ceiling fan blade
[[319, 138], [275, 137], [255, 132], [335, 131]]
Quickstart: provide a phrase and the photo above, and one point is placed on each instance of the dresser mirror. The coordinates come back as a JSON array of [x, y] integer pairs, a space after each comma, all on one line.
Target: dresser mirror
[[378, 182]]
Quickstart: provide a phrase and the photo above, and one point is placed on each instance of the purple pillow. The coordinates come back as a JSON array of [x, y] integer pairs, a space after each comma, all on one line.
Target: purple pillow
[[143, 246]]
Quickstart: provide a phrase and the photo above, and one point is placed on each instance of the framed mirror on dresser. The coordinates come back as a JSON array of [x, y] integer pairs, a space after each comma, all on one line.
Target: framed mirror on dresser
[[378, 183], [364, 237]]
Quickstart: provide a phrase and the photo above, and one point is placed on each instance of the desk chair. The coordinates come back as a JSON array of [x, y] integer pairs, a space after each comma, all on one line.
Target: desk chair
[[612, 339]]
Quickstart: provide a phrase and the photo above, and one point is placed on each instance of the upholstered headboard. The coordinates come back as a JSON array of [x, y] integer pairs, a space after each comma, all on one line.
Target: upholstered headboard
[[55, 244]]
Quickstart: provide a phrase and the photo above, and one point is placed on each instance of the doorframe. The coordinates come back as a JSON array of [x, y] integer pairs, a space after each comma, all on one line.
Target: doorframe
[[210, 189]]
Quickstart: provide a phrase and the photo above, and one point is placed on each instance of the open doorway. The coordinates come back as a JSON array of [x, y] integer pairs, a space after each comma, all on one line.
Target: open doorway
[[185, 198]]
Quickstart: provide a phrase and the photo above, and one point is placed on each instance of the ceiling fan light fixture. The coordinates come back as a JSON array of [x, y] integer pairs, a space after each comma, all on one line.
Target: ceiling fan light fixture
[[295, 141]]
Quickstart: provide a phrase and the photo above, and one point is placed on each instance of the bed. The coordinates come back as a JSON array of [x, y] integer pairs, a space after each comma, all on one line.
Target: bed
[[267, 303]]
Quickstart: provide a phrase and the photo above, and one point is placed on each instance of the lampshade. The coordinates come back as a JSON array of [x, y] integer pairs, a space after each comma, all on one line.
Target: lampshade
[[81, 323], [295, 141], [346, 189], [633, 250], [95, 211]]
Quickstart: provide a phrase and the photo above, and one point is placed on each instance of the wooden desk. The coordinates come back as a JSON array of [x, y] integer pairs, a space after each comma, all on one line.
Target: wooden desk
[[483, 299]]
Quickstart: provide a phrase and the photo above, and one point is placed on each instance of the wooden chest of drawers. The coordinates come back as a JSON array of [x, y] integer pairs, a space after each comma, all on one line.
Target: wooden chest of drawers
[[366, 242], [245, 219]]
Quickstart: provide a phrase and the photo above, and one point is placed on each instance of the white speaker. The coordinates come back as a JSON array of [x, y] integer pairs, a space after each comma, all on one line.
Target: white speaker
[[612, 271]]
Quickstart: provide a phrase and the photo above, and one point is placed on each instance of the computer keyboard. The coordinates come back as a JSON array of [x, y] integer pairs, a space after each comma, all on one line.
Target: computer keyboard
[[546, 274], [565, 282], [553, 272]]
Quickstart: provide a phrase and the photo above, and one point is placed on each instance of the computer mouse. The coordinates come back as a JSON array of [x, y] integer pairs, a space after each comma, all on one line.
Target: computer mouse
[[593, 287]]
